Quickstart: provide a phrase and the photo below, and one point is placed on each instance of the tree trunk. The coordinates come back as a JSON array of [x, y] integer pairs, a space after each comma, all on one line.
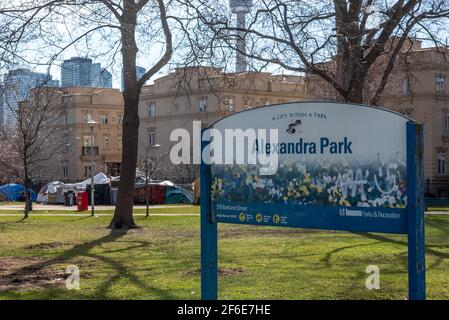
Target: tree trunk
[[27, 195], [123, 215]]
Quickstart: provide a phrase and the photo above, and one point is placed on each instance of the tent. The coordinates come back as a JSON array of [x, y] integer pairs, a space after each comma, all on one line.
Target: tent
[[51, 193], [102, 186], [15, 192], [99, 178], [115, 181], [102, 193], [161, 192], [175, 195]]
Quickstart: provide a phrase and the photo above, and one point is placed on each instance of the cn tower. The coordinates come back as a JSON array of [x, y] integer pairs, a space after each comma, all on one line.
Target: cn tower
[[241, 8]]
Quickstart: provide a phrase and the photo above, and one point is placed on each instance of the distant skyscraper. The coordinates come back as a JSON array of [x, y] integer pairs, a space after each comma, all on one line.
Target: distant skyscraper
[[76, 72], [139, 71], [81, 72], [16, 86]]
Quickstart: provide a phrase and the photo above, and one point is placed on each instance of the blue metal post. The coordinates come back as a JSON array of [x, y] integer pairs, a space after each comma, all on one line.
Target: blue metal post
[[415, 212], [209, 248]]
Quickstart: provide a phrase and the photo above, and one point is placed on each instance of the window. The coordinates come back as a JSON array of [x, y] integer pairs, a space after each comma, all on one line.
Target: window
[[87, 170], [88, 141], [106, 142], [248, 103], [104, 118], [446, 123], [66, 118], [152, 109], [202, 106], [65, 170], [119, 141], [228, 103], [120, 118], [440, 83], [152, 136], [87, 117], [406, 88], [441, 158]]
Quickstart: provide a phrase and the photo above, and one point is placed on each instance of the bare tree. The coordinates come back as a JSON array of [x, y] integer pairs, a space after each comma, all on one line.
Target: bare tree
[[8, 155], [338, 41], [35, 136], [103, 28], [150, 162]]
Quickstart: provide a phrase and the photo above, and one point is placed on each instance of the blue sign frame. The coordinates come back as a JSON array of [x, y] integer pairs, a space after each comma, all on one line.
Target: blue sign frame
[[410, 222]]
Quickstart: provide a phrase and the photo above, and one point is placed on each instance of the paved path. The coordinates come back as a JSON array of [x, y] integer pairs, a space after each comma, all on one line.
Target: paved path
[[49, 207], [97, 214]]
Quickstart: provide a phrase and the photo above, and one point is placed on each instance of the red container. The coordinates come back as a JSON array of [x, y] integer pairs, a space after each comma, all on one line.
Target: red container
[[82, 200]]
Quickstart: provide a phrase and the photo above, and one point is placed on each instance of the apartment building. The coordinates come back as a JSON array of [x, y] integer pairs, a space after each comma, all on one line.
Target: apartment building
[[93, 139], [417, 87], [203, 94]]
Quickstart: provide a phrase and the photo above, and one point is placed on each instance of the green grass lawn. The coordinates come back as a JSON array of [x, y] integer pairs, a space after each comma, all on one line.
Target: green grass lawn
[[183, 209], [161, 260]]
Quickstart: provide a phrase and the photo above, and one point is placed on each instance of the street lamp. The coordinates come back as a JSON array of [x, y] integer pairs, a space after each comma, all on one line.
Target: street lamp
[[92, 189]]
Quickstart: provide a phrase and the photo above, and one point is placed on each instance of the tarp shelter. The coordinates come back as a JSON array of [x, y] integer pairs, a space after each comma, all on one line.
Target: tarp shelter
[[115, 181], [102, 186], [15, 192], [51, 193], [99, 178], [102, 193], [162, 192], [154, 191], [175, 194]]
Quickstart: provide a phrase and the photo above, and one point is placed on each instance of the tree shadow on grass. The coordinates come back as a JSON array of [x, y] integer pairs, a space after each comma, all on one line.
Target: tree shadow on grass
[[438, 255], [4, 225], [328, 257], [120, 270]]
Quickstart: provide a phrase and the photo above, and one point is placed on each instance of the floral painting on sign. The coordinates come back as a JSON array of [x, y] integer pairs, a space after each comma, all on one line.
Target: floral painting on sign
[[379, 183]]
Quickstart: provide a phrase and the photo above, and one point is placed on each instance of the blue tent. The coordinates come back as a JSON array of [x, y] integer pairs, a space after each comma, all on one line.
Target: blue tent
[[15, 192]]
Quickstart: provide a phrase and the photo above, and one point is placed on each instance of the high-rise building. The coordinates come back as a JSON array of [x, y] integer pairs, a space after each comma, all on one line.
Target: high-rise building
[[139, 72], [76, 72], [82, 72], [101, 77], [16, 86]]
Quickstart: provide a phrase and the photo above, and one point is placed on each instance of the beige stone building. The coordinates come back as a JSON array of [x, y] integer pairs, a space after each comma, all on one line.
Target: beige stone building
[[88, 145], [204, 94], [417, 87]]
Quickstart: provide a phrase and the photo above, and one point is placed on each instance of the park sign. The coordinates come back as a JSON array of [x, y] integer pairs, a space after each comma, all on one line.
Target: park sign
[[317, 165]]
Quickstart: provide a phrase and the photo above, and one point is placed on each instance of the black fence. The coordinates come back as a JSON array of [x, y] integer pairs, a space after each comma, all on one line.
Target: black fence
[[436, 188]]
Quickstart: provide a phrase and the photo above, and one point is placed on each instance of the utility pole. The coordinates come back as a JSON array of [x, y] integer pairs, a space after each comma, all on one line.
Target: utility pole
[[149, 171], [92, 183]]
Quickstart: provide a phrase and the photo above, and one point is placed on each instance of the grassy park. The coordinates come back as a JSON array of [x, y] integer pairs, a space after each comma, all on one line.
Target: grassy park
[[161, 260]]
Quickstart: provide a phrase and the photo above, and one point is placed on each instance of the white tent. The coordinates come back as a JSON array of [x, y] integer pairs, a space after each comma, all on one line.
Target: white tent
[[99, 178], [166, 183], [54, 188]]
